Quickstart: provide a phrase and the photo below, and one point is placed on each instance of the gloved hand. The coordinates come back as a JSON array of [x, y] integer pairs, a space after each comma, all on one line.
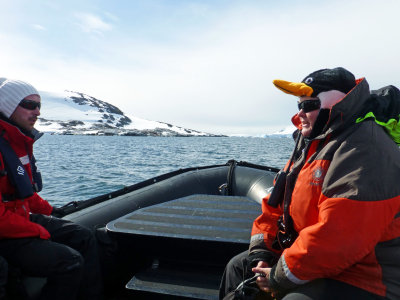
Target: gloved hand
[[57, 212], [269, 257]]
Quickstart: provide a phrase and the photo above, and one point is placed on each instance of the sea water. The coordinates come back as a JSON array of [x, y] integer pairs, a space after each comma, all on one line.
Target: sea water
[[81, 167]]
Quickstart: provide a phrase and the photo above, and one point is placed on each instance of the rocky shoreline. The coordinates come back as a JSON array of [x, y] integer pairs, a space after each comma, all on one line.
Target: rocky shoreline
[[76, 127]]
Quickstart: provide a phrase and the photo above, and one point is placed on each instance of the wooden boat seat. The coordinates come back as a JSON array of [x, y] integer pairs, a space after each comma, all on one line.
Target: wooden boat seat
[[197, 235]]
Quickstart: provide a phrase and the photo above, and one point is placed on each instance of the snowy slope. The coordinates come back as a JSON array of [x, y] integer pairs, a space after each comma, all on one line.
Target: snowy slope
[[285, 131], [77, 113]]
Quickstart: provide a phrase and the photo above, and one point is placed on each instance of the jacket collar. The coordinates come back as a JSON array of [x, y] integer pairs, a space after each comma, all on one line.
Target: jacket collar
[[34, 134], [15, 136]]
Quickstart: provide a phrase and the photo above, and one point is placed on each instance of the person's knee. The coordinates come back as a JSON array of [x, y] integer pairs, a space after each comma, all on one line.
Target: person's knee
[[232, 264], [83, 232], [238, 262], [72, 264], [65, 277], [68, 263], [82, 240]]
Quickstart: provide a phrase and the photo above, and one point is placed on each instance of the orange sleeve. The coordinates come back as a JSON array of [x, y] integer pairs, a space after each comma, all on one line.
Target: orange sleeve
[[343, 235], [265, 227]]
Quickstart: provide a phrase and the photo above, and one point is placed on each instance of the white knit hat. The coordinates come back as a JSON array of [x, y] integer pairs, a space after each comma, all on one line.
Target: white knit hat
[[11, 94]]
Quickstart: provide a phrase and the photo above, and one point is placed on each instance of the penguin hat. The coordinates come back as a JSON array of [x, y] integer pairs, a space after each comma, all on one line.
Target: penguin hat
[[329, 85]]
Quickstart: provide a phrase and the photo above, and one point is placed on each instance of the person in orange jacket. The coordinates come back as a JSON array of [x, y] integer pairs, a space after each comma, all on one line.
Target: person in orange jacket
[[31, 237], [331, 228]]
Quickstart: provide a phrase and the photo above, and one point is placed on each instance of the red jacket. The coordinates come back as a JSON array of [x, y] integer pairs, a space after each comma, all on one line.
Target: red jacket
[[14, 214]]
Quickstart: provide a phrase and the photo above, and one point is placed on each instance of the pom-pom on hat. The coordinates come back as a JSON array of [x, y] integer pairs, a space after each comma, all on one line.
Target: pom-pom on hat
[[319, 81], [11, 94]]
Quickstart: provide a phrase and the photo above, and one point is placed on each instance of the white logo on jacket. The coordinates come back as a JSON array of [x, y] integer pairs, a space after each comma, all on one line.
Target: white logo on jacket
[[20, 170], [318, 176]]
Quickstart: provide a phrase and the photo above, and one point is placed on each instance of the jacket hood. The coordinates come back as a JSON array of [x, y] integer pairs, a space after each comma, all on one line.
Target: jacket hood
[[346, 111]]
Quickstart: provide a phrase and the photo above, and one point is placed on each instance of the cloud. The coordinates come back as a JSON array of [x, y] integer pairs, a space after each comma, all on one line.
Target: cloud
[[212, 75], [39, 27], [91, 23]]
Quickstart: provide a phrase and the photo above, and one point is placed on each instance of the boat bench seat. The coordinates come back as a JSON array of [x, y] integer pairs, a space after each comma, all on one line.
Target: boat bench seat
[[223, 221], [207, 229], [193, 284]]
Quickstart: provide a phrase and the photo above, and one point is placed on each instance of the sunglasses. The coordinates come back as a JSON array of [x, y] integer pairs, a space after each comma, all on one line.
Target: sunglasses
[[309, 105], [30, 104]]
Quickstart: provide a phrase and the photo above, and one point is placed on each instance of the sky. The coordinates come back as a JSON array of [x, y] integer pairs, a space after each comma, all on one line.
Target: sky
[[206, 65]]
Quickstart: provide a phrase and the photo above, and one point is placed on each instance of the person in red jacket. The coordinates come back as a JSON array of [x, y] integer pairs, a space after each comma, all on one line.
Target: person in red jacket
[[31, 237], [330, 229]]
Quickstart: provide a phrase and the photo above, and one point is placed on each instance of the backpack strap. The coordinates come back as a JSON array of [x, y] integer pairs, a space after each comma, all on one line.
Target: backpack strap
[[36, 175], [16, 172]]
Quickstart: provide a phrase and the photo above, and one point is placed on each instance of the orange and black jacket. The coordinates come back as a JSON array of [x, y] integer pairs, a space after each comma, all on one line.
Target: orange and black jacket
[[344, 195], [14, 213]]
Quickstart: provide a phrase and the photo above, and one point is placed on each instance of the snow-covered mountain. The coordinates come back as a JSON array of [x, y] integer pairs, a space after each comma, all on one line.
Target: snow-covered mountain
[[78, 113]]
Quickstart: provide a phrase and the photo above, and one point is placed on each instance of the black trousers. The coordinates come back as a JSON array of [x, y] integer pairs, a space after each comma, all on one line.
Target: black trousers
[[235, 272], [321, 289], [69, 260], [3, 277]]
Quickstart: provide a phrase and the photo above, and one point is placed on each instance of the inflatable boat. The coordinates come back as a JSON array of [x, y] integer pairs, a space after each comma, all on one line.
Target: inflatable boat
[[171, 236]]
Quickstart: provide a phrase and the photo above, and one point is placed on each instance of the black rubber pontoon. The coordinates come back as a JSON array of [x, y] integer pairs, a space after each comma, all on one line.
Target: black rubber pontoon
[[172, 235]]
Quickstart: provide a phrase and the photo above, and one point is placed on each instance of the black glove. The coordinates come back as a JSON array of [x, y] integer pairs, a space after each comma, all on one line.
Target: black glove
[[269, 257], [58, 212]]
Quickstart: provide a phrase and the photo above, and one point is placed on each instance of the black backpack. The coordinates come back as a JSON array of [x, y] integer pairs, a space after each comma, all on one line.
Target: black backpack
[[383, 106]]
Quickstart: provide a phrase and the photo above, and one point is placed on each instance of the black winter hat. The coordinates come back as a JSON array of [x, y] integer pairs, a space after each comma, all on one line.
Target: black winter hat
[[319, 81], [330, 79]]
